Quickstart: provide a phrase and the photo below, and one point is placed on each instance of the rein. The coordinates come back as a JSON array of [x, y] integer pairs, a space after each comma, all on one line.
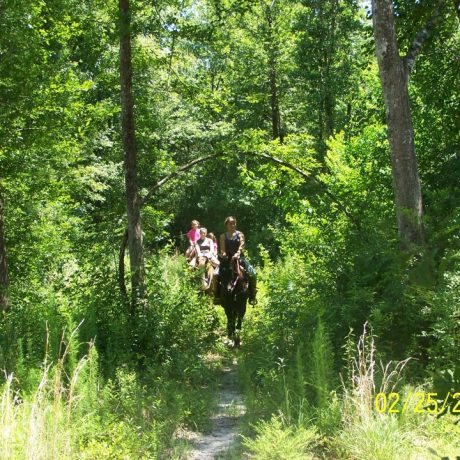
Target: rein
[[237, 272]]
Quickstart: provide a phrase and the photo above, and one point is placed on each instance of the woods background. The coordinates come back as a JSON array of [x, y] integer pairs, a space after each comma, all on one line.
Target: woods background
[[330, 129]]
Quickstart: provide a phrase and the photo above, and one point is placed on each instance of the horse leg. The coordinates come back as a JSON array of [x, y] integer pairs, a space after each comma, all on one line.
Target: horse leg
[[231, 320], [215, 289], [237, 341], [240, 312], [210, 278]]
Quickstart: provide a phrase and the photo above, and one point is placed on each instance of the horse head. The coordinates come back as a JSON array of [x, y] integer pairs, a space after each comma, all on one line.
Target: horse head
[[233, 278]]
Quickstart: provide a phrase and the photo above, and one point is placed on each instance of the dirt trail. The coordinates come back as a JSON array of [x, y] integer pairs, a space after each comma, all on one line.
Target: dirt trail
[[224, 430]]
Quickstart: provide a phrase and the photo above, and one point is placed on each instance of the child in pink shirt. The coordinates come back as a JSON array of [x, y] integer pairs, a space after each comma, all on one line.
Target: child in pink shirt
[[193, 236]]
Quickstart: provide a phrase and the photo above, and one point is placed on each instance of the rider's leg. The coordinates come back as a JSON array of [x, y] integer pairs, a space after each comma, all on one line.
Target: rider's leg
[[190, 253], [252, 278]]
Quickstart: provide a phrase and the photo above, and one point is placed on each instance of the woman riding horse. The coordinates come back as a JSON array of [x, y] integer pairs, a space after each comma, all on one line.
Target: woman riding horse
[[234, 289], [231, 245]]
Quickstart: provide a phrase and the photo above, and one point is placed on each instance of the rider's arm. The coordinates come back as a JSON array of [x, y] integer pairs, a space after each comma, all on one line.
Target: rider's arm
[[222, 245], [242, 241]]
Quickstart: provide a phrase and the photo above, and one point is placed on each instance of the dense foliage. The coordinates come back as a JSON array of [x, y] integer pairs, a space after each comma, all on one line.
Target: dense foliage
[[245, 81]]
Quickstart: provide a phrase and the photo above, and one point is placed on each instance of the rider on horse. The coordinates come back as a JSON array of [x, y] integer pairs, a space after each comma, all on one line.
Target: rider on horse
[[231, 246], [205, 249]]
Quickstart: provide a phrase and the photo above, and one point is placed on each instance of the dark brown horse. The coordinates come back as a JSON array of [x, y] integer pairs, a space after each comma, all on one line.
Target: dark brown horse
[[233, 287]]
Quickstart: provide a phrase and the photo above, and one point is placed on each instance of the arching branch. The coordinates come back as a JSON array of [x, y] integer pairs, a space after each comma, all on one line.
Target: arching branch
[[186, 167], [307, 176], [177, 173]]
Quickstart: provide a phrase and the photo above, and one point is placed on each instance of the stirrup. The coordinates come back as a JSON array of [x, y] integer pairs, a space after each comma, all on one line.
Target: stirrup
[[253, 301]]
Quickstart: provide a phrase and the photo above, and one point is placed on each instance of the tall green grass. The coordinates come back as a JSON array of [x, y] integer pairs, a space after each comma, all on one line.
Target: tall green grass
[[365, 433], [41, 425], [275, 441], [79, 416]]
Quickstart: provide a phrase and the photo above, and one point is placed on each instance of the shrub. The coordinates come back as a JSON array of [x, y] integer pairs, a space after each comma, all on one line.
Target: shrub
[[275, 441]]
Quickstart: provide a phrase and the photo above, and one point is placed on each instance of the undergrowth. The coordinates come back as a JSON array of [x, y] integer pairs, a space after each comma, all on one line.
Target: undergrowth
[[70, 409], [305, 395]]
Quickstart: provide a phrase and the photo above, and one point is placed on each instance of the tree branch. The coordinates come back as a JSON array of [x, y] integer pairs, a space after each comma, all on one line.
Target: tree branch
[[177, 173], [421, 37], [307, 176]]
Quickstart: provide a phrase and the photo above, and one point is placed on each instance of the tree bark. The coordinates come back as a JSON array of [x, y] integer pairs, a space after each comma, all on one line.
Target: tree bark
[[329, 102], [277, 132], [135, 246], [4, 301], [121, 268], [394, 76]]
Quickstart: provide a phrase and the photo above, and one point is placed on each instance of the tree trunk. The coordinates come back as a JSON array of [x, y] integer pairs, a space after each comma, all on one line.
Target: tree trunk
[[394, 77], [328, 114], [4, 302], [129, 145], [329, 99], [276, 116], [277, 132]]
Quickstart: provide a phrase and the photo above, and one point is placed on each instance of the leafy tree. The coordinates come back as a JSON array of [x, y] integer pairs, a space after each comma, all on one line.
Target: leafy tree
[[331, 42]]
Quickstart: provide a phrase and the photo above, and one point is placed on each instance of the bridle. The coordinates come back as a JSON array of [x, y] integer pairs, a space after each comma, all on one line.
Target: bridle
[[237, 274]]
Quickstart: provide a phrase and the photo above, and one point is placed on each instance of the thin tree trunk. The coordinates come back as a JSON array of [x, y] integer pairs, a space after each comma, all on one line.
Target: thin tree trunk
[[277, 132], [121, 268], [4, 302], [276, 116], [394, 76], [329, 102], [129, 145], [328, 114]]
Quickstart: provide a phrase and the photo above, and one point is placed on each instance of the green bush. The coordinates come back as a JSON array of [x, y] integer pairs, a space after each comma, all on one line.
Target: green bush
[[274, 441]]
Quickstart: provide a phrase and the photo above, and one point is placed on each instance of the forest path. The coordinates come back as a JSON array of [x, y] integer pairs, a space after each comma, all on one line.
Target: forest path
[[225, 422]]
